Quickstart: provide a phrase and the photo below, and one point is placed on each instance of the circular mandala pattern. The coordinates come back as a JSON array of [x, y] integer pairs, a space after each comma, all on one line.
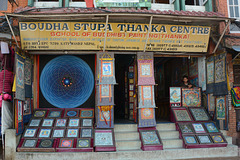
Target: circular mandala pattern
[[217, 139], [39, 113], [83, 143], [147, 112], [55, 114], [66, 143], [71, 113], [86, 113], [66, 82], [46, 143]]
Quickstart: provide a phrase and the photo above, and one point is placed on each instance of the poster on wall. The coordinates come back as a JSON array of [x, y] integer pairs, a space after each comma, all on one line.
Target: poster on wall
[[20, 85], [221, 107], [202, 73]]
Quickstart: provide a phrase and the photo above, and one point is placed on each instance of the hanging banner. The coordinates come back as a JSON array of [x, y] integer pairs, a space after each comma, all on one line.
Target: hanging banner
[[28, 77], [20, 85], [146, 97], [105, 95], [202, 73], [19, 117], [220, 86], [210, 74], [146, 117], [105, 117], [106, 69], [145, 69], [120, 36]]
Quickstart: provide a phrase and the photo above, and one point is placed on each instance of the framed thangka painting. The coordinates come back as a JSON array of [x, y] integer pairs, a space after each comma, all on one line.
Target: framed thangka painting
[[218, 138], [204, 139], [44, 133], [35, 122], [191, 97], [58, 133], [20, 91], [87, 113], [198, 128], [210, 72], [66, 143], [29, 143], [46, 143], [150, 137], [181, 115], [105, 94], [199, 114], [186, 128], [146, 97], [211, 127], [221, 107], [175, 96], [61, 122], [190, 139], [40, 113], [211, 103], [30, 132], [103, 138], [220, 70], [83, 143], [105, 117], [20, 110]]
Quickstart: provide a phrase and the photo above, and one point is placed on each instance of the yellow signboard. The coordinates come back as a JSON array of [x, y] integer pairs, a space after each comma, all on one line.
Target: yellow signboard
[[119, 36]]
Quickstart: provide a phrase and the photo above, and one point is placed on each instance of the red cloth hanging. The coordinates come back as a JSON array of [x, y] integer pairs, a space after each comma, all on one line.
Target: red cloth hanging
[[8, 81]]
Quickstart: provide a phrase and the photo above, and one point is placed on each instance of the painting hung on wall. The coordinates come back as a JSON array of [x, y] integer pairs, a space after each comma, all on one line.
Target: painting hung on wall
[[221, 107], [210, 72], [105, 94], [220, 70], [20, 85], [202, 72], [175, 96], [181, 115], [199, 114], [191, 97], [211, 103]]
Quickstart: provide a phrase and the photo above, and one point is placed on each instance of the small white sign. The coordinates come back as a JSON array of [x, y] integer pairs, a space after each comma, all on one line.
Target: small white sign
[[4, 48]]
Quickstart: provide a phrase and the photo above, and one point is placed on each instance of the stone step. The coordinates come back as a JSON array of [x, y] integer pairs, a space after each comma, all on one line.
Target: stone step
[[172, 143], [169, 134], [166, 127], [126, 136], [128, 145], [125, 127], [180, 153], [228, 139], [224, 132]]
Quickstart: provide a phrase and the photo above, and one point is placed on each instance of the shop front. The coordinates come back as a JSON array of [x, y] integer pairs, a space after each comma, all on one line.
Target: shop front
[[92, 72]]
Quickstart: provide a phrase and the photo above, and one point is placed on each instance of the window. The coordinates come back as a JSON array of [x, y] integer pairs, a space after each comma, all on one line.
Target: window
[[233, 12], [77, 1], [46, 0], [161, 1], [195, 2]]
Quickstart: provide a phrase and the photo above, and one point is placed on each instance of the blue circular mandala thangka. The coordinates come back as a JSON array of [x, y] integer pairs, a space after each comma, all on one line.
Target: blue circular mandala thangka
[[66, 81]]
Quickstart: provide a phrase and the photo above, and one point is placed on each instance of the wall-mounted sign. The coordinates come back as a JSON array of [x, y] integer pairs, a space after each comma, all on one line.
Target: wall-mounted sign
[[120, 36]]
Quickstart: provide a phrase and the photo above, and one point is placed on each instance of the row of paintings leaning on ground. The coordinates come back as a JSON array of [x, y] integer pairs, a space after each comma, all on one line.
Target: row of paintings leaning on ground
[[193, 121], [65, 130]]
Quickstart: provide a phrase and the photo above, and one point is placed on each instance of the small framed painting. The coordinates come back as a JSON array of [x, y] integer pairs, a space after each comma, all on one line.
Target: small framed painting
[[61, 122], [218, 138], [71, 113], [186, 128], [104, 137], [198, 128], [87, 113], [204, 139], [211, 127], [86, 133], [150, 137], [55, 114], [131, 105], [190, 139], [130, 93], [29, 143], [46, 143], [44, 133], [175, 96], [131, 81], [73, 122], [35, 122], [131, 87], [83, 143], [58, 133], [199, 114], [30, 132], [87, 122], [66, 143], [181, 114], [72, 132], [40, 113], [47, 122]]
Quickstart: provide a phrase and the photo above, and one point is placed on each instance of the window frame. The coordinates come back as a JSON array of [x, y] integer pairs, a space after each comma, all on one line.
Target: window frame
[[237, 19]]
